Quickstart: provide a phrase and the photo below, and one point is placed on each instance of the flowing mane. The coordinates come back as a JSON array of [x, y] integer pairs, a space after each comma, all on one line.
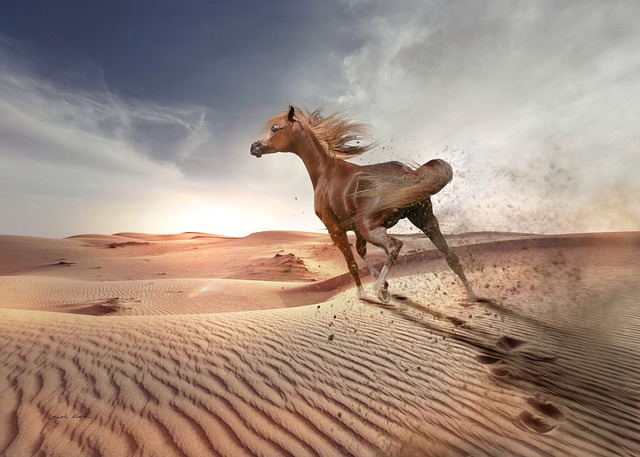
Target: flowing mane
[[338, 134]]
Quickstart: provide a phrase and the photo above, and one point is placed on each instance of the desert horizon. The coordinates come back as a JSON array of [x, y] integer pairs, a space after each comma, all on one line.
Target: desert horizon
[[198, 344]]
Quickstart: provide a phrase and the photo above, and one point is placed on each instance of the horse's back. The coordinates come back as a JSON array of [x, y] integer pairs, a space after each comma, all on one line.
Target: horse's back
[[393, 167]]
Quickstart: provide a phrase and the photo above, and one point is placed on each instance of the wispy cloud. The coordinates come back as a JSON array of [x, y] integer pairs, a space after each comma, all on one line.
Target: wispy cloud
[[81, 147], [96, 127]]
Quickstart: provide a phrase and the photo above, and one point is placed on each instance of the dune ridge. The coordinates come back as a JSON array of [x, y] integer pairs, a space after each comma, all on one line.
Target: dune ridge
[[551, 368]]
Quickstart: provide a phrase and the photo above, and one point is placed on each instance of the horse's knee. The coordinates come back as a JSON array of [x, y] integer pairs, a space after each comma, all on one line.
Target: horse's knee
[[355, 272], [396, 246]]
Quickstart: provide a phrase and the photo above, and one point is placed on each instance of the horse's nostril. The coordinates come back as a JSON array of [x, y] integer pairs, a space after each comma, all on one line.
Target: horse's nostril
[[256, 147]]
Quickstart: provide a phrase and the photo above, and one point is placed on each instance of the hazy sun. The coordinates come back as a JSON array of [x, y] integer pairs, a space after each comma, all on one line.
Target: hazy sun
[[231, 216]]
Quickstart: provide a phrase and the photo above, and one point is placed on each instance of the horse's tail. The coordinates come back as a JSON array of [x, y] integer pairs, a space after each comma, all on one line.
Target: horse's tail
[[402, 191]]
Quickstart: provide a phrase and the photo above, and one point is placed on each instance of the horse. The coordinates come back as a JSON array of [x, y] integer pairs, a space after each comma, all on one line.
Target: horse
[[365, 199]]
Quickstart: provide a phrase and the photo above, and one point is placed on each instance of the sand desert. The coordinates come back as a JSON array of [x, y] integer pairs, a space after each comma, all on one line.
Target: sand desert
[[195, 345]]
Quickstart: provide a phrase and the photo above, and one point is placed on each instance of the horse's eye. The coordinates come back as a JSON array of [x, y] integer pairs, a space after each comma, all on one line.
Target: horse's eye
[[275, 128]]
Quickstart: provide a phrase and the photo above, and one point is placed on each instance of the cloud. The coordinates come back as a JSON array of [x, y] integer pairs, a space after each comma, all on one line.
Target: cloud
[[535, 103], [94, 127], [65, 150]]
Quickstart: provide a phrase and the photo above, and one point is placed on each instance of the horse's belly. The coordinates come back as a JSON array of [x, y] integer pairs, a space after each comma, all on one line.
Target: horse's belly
[[390, 222]]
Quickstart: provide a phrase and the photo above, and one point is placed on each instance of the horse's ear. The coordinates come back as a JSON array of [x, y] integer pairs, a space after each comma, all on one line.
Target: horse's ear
[[292, 111]]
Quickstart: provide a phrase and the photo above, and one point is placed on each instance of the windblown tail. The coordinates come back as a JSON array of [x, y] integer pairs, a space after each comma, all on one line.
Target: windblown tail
[[389, 191]]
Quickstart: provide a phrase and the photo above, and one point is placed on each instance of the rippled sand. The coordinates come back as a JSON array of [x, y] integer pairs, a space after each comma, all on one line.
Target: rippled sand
[[198, 345]]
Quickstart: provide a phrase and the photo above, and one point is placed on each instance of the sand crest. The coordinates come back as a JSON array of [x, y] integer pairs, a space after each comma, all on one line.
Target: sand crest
[[193, 344]]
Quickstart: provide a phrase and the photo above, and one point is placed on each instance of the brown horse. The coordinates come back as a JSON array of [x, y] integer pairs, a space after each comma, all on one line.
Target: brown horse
[[364, 199]]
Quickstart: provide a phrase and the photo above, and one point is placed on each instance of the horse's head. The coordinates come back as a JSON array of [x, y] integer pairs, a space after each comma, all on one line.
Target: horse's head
[[279, 138]]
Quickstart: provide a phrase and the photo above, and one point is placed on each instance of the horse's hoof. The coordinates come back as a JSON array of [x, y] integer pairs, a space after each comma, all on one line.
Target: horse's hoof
[[384, 295], [361, 294]]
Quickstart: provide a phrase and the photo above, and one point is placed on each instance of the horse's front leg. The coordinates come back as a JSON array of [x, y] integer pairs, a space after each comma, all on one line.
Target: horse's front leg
[[340, 239], [361, 249], [378, 236]]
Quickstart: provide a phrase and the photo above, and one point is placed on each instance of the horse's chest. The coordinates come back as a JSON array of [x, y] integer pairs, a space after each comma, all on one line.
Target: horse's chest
[[321, 202], [331, 201]]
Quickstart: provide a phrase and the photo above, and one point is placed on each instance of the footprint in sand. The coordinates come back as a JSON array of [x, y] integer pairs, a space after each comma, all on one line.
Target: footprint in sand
[[487, 359], [546, 415], [545, 408], [508, 343], [495, 365], [499, 369], [546, 420], [526, 420], [496, 368]]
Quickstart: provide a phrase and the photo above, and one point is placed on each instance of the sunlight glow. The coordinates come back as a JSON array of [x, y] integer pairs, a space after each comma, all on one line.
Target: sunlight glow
[[229, 216]]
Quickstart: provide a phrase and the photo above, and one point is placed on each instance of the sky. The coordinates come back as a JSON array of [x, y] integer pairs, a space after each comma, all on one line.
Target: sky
[[122, 116]]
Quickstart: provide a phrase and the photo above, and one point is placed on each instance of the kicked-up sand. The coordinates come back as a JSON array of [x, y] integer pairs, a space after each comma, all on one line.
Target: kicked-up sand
[[199, 345]]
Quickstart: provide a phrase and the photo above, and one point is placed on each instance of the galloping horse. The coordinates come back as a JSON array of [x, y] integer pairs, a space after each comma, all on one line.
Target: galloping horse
[[365, 199]]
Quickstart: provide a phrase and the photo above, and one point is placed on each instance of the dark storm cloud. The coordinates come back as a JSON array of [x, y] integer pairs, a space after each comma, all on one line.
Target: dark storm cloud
[[211, 53]]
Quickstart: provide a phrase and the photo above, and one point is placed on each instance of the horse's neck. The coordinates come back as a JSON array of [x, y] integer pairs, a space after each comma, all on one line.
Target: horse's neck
[[315, 160]]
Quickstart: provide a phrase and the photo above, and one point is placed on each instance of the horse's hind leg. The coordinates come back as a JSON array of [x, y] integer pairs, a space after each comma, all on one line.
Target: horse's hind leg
[[378, 236], [422, 217], [361, 249]]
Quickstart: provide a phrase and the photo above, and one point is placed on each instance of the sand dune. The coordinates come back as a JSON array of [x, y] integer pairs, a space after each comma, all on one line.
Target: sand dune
[[193, 344]]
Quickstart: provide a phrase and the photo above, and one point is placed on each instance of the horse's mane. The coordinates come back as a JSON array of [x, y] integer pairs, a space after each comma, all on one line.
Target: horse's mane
[[338, 134]]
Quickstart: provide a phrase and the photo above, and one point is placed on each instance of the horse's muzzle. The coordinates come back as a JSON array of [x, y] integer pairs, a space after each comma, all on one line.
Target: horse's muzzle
[[256, 149]]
